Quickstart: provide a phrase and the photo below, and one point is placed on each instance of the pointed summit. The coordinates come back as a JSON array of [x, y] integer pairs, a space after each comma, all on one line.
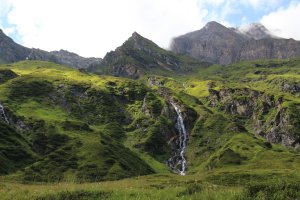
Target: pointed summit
[[206, 39], [139, 55], [136, 41], [135, 35], [214, 25]]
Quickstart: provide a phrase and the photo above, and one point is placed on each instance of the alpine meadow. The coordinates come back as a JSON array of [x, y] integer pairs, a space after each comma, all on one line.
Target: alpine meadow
[[217, 116]]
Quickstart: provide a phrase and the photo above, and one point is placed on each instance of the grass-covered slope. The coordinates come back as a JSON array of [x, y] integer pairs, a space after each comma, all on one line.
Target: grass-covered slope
[[15, 151], [72, 124], [242, 121]]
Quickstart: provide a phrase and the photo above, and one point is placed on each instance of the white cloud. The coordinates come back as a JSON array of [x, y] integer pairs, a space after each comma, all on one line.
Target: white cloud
[[4, 7], [284, 22], [262, 4], [93, 27], [216, 2]]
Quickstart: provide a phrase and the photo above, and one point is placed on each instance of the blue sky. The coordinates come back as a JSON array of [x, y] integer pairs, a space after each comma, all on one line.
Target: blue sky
[[94, 27], [238, 13]]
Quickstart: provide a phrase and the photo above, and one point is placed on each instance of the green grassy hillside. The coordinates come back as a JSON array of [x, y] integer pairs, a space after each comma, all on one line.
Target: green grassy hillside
[[68, 127]]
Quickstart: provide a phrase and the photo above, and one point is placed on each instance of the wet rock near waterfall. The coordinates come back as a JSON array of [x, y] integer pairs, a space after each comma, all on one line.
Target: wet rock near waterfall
[[152, 106], [178, 162]]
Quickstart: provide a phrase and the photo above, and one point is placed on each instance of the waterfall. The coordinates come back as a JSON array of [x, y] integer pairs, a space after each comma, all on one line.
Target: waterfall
[[180, 160], [2, 114]]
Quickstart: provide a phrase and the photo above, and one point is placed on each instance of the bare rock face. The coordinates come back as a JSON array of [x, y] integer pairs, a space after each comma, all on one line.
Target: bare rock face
[[218, 44], [11, 51], [270, 48], [282, 124], [72, 59], [213, 43]]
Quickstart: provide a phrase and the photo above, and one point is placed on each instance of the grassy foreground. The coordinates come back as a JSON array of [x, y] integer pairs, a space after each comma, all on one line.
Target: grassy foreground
[[161, 186], [212, 185]]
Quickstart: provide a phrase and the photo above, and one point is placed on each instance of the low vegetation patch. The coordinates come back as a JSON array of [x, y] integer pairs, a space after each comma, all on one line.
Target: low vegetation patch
[[77, 194]]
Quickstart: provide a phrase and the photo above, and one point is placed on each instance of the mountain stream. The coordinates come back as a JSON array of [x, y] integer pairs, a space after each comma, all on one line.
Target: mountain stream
[[178, 162], [2, 114]]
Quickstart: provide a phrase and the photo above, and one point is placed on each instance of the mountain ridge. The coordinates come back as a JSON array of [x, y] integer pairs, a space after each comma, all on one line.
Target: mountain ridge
[[218, 44], [138, 56], [13, 52]]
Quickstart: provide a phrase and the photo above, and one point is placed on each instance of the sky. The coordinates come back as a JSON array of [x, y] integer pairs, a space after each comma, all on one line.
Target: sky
[[92, 28]]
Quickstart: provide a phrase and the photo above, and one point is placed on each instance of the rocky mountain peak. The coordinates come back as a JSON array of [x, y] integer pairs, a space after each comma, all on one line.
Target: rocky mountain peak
[[2, 34], [210, 29], [218, 44], [256, 31], [136, 35], [63, 52], [4, 37], [214, 26], [215, 43], [137, 41], [139, 55]]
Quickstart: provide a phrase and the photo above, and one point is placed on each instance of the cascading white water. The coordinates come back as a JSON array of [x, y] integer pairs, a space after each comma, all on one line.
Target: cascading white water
[[2, 113], [182, 143]]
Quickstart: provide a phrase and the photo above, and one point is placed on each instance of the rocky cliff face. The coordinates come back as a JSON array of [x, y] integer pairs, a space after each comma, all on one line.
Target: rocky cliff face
[[71, 59], [269, 48], [217, 44], [213, 43], [13, 52], [269, 117]]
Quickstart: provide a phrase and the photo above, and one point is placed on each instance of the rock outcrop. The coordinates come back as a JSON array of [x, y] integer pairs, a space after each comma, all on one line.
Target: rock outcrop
[[268, 116], [6, 74], [218, 44]]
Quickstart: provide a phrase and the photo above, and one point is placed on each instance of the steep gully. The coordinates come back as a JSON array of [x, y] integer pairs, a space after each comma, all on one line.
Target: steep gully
[[178, 162], [2, 114]]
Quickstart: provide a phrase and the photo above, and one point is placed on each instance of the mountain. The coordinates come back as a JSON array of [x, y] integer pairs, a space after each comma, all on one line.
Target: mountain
[[13, 52], [218, 44], [139, 56]]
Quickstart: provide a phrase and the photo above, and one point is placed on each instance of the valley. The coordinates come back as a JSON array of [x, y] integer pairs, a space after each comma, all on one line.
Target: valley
[[148, 123], [237, 120]]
